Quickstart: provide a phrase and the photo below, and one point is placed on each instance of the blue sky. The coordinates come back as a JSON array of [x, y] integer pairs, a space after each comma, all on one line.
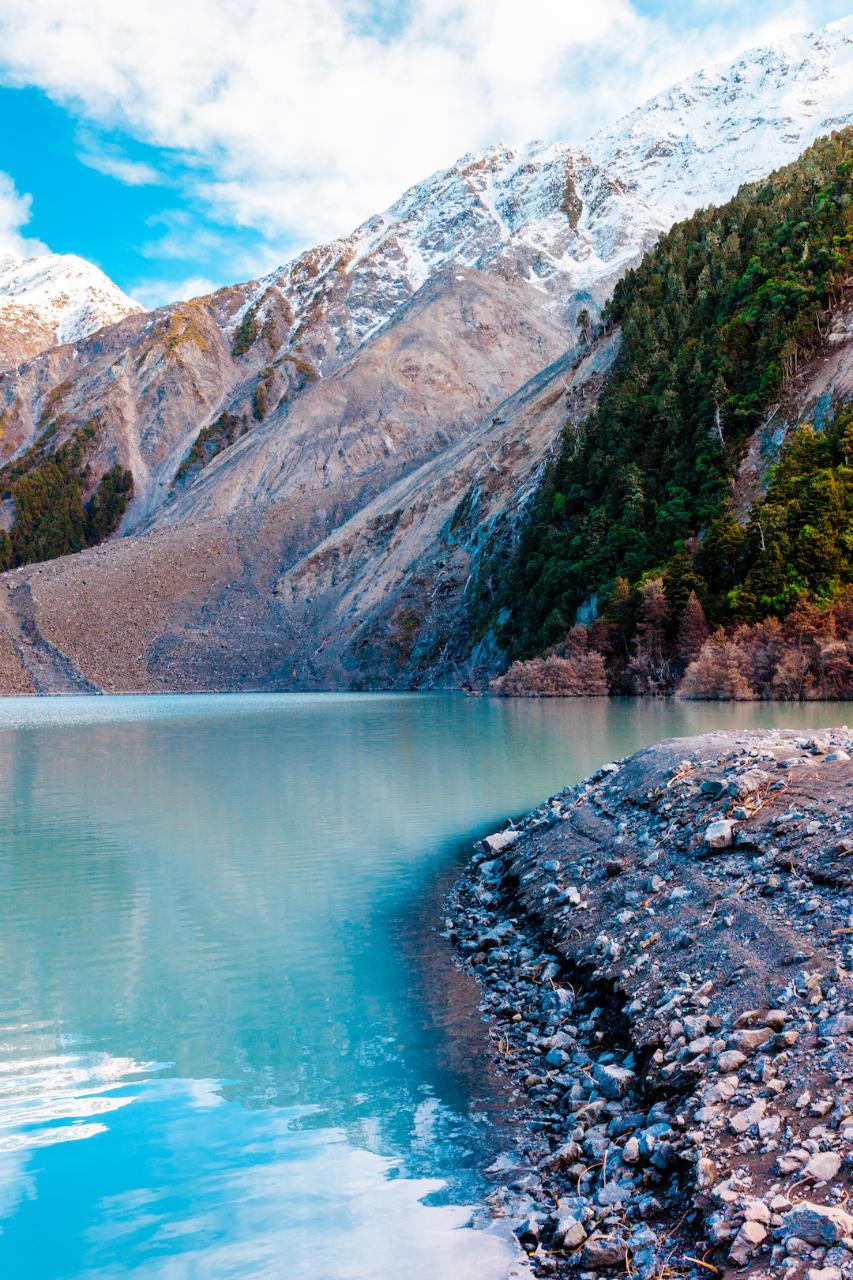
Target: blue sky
[[185, 146]]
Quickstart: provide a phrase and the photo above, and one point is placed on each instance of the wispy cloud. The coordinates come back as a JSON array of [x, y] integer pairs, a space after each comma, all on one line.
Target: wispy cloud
[[14, 216], [158, 292], [298, 120], [135, 173]]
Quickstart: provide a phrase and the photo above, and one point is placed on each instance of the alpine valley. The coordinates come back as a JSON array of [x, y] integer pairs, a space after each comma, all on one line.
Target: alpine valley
[[318, 479]]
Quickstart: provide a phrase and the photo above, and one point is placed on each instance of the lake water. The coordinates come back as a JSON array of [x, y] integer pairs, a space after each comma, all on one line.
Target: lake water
[[231, 1042]]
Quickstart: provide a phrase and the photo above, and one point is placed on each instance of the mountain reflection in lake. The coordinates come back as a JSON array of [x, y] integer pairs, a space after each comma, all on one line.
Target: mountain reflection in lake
[[231, 1042]]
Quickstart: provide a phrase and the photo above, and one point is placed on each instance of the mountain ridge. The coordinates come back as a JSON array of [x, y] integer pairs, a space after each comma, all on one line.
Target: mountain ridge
[[323, 386]]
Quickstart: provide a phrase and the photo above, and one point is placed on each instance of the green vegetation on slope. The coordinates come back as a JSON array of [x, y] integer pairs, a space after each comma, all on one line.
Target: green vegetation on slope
[[715, 321], [210, 441], [51, 517], [799, 539]]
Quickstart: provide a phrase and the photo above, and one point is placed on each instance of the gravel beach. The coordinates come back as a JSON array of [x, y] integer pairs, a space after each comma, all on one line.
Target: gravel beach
[[665, 956]]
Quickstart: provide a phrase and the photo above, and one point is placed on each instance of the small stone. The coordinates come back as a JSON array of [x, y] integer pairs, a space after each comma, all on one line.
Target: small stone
[[569, 1234], [500, 841], [730, 1060], [724, 1192], [817, 1224], [750, 1040], [792, 1160], [491, 870], [823, 1166], [840, 1025], [747, 1240], [719, 1230], [775, 1019], [742, 1121], [613, 1081], [603, 1251], [612, 1193], [528, 1235], [757, 1211], [563, 1157], [556, 1058], [768, 1127], [747, 784], [631, 1151], [720, 835]]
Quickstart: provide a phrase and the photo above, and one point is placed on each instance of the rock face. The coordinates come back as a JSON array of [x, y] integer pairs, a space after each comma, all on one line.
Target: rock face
[[53, 298], [678, 1033], [325, 459]]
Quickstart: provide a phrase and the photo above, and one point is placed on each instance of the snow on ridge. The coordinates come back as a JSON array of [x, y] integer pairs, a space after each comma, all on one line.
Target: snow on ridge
[[743, 119], [571, 219], [567, 219], [67, 294]]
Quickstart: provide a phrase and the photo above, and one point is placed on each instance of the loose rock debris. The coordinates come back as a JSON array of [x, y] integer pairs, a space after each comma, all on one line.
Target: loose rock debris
[[665, 953]]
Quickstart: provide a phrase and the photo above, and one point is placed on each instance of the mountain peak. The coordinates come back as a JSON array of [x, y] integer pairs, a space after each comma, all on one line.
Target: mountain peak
[[571, 219], [307, 449], [53, 298]]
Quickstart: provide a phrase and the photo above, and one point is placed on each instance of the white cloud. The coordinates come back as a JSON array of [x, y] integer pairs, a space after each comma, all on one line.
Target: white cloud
[[300, 119], [134, 173], [156, 293], [14, 215]]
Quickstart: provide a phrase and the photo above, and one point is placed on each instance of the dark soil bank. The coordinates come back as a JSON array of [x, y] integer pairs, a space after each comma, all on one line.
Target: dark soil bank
[[665, 957]]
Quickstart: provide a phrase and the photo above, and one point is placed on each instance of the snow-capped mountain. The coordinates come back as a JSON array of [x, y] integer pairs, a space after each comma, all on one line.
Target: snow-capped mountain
[[322, 458], [694, 144], [571, 219], [54, 298]]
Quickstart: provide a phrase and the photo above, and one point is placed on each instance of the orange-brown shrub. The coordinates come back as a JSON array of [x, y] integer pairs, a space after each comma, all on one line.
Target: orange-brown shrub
[[583, 675], [719, 673]]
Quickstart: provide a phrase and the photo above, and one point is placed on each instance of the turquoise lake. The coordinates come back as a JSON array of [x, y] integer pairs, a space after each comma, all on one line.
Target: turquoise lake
[[232, 1043]]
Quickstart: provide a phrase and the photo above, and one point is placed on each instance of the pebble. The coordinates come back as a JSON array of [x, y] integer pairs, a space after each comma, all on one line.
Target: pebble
[[823, 1166], [720, 835]]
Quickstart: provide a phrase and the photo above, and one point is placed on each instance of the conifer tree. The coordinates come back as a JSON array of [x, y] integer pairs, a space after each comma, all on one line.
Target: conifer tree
[[692, 632]]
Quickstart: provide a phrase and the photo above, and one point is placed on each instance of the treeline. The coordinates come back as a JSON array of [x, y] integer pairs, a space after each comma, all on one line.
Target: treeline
[[715, 322], [52, 517]]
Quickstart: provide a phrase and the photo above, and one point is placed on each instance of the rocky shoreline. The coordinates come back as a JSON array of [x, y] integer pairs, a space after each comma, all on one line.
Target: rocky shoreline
[[665, 953]]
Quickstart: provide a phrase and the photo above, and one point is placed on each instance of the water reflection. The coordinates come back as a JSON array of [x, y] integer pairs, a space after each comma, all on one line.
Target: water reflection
[[219, 968]]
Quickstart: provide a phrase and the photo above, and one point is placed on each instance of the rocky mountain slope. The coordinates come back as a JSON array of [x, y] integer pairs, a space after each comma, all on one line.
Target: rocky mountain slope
[[53, 298], [320, 457]]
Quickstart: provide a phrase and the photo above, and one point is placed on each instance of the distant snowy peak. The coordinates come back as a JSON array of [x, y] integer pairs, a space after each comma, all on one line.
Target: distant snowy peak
[[570, 220], [697, 142], [60, 296]]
